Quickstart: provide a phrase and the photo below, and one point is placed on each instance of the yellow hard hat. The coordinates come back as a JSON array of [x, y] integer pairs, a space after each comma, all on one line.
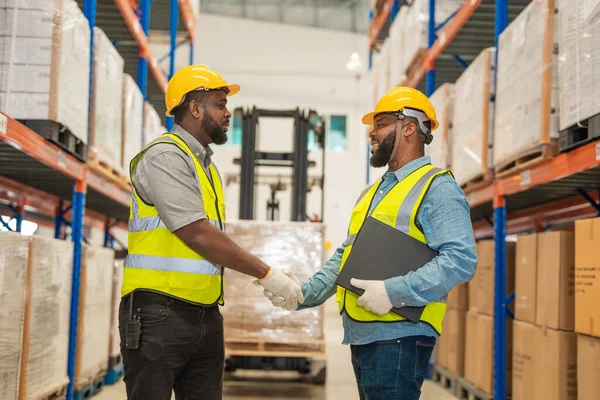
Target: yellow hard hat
[[399, 98], [190, 78]]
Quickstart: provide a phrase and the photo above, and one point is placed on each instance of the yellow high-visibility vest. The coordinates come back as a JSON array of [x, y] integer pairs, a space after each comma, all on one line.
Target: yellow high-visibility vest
[[158, 260], [397, 209]]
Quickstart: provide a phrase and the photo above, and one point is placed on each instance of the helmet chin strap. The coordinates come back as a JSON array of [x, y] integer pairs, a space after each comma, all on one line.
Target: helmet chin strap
[[397, 140]]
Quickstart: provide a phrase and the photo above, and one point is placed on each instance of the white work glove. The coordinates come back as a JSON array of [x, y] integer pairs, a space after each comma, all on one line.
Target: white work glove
[[375, 298], [279, 301], [279, 284]]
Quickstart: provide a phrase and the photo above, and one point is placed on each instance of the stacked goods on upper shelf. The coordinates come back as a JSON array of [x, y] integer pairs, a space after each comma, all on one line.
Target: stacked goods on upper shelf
[[381, 69], [579, 72], [397, 39], [44, 79], [94, 315], [107, 100], [439, 149], [526, 122], [133, 120], [152, 125], [249, 317], [472, 120]]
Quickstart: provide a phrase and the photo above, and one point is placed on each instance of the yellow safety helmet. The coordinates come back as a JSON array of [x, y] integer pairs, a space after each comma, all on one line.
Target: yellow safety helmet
[[399, 99], [190, 78]]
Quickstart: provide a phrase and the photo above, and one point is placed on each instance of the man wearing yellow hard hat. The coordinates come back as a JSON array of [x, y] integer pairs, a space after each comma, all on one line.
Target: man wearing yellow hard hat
[[169, 321], [390, 355]]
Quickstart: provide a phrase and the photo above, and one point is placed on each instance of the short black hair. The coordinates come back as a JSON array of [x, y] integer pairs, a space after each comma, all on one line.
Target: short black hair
[[181, 110]]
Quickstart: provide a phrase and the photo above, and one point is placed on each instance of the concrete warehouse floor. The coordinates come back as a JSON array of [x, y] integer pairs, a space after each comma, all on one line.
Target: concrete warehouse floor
[[340, 377]]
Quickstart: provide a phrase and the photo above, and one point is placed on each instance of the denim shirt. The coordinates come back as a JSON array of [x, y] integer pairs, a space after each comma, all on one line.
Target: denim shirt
[[444, 217]]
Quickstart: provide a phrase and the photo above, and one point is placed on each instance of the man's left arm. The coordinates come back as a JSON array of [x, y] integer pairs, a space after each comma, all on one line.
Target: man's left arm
[[446, 222]]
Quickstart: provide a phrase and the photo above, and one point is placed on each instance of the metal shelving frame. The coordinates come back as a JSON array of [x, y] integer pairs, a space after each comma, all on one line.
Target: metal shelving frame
[[553, 193], [53, 188]]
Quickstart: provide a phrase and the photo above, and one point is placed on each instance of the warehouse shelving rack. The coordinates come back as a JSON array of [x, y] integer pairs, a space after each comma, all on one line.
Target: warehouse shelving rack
[[554, 193], [54, 189]]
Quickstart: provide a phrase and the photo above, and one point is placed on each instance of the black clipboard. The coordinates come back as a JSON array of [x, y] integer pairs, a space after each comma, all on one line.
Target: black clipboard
[[381, 252]]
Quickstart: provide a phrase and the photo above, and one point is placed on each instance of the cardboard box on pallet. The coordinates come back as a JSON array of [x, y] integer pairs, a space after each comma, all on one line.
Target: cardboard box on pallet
[[107, 103], [481, 288], [526, 277], [248, 315], [454, 330], [527, 90], [479, 352], [588, 367], [14, 255], [544, 363], [579, 61], [115, 339], [441, 346], [471, 145], [458, 298], [132, 120], [587, 277], [94, 315], [48, 80], [555, 305], [439, 149]]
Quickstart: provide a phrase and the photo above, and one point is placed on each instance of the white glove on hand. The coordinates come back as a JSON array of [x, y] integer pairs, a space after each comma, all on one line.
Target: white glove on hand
[[279, 301], [280, 284], [375, 298]]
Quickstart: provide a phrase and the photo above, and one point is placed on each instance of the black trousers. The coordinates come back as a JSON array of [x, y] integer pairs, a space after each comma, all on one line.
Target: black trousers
[[181, 349]]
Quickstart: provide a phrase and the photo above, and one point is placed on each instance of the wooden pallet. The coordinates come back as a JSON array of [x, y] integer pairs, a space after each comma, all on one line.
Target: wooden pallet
[[444, 378], [481, 180], [60, 135], [467, 391], [268, 348], [89, 387], [530, 159], [109, 172], [55, 393], [577, 136]]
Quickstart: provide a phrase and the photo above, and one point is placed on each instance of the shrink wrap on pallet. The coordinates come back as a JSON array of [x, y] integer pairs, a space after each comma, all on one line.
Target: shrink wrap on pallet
[[527, 87], [133, 120], [14, 255], [439, 148], [107, 103], [152, 124], [579, 60], [397, 38], [47, 344], [247, 313], [41, 77], [471, 119], [117, 281], [95, 306]]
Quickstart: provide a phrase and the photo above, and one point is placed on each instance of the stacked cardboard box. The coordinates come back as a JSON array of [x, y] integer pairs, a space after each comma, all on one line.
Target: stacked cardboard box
[[107, 103], [471, 116], [439, 149], [587, 312], [115, 339], [152, 126], [480, 322], [43, 78], [132, 120], [527, 87], [545, 346], [451, 344], [94, 319], [247, 313]]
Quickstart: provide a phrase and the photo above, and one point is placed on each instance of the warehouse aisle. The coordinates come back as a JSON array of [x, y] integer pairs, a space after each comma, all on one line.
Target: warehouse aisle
[[340, 379]]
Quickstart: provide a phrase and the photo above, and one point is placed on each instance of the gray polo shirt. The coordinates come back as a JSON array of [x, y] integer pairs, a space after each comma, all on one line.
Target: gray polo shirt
[[165, 178]]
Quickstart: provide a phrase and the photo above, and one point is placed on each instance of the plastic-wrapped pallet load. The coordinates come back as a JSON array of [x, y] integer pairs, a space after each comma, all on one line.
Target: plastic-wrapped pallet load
[[115, 339], [40, 74], [526, 120], [439, 149], [107, 103], [383, 69], [250, 317], [95, 300], [46, 342], [133, 120], [579, 66], [397, 39], [471, 121], [14, 254], [152, 126]]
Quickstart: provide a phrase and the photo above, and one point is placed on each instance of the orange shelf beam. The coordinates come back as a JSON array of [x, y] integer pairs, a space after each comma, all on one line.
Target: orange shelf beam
[[481, 196], [136, 30], [187, 14], [379, 22], [445, 37]]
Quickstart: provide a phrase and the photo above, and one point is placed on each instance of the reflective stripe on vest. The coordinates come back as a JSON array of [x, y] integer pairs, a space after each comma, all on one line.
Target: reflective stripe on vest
[[158, 260], [398, 209]]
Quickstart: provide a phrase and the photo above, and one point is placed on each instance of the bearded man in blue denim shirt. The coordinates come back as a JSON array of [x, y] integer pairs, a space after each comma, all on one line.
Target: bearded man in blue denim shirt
[[390, 355]]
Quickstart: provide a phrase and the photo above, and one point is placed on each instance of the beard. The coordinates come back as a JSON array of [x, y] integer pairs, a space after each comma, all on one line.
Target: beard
[[216, 132], [382, 155]]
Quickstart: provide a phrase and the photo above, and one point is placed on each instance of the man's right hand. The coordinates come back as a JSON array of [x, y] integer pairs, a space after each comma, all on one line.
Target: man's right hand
[[281, 285]]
